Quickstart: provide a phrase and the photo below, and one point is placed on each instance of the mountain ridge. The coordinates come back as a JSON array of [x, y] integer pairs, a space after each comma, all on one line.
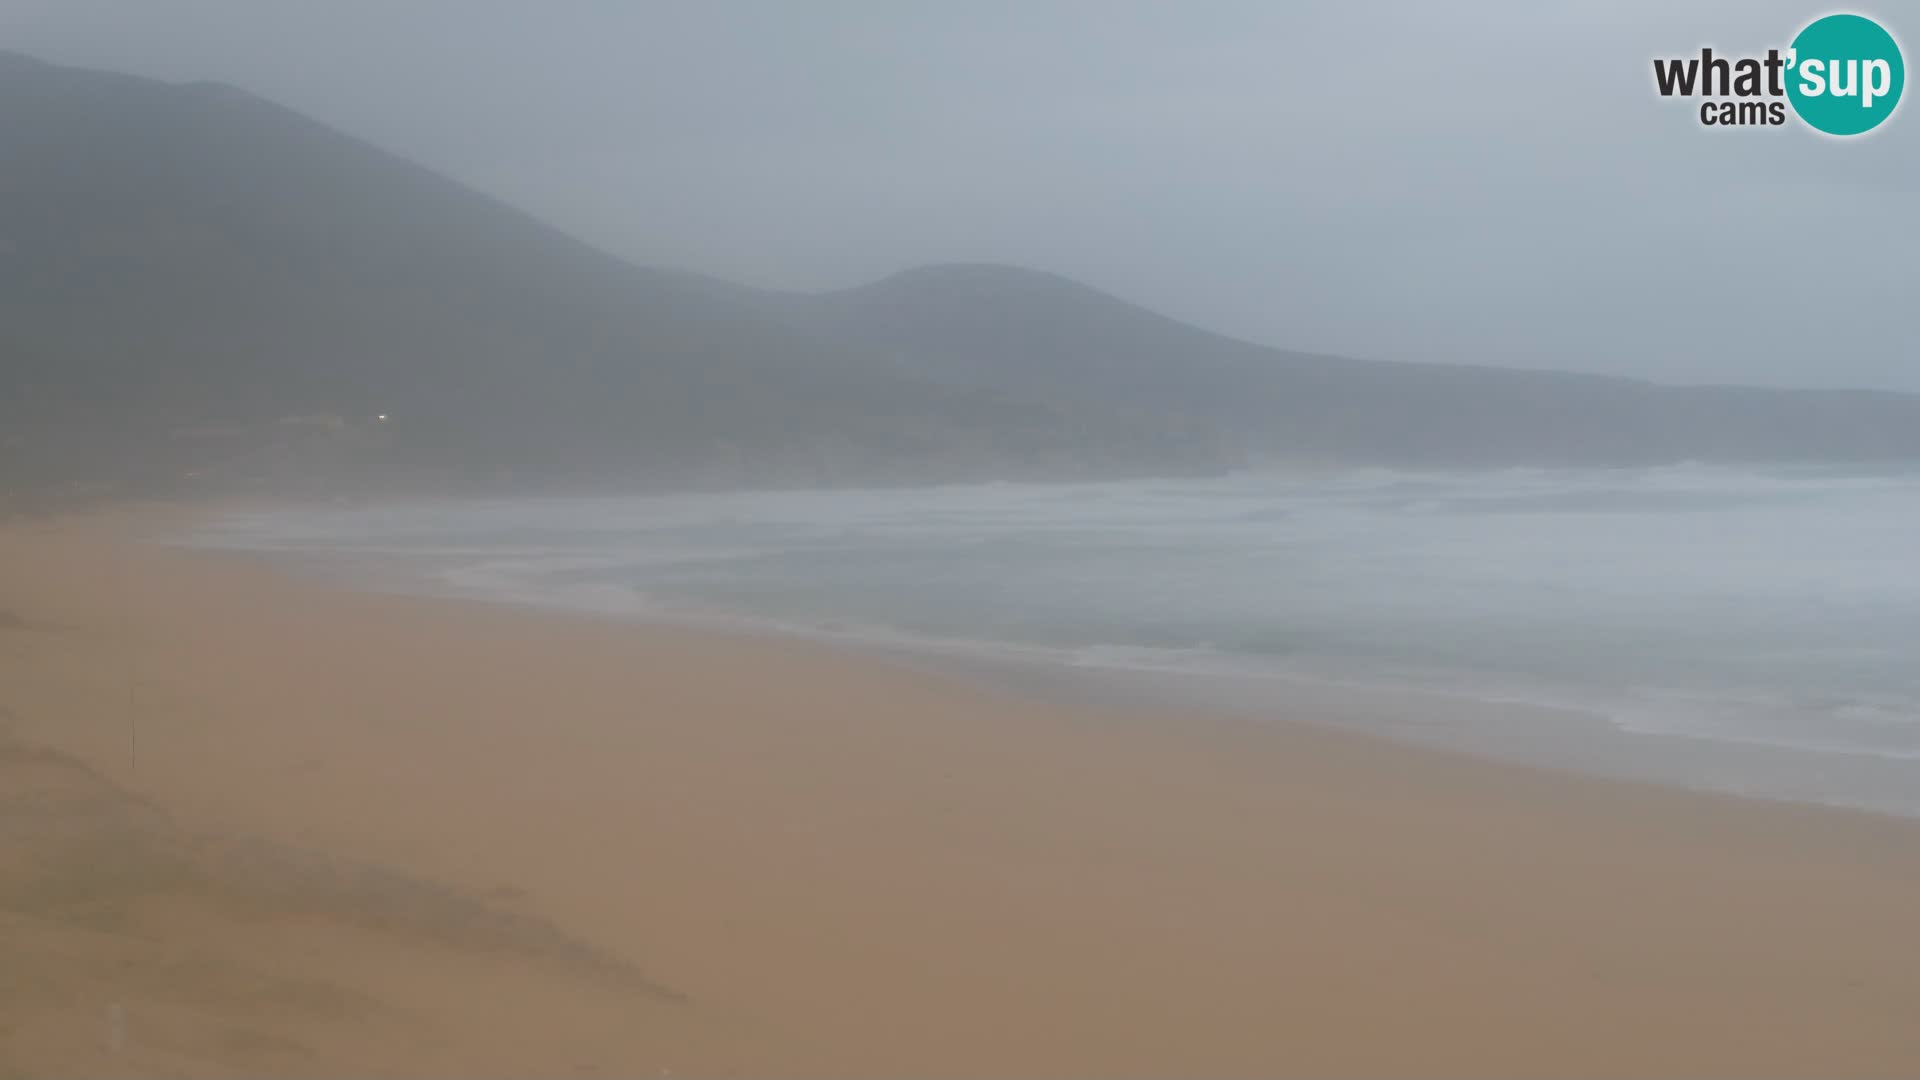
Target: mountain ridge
[[187, 271]]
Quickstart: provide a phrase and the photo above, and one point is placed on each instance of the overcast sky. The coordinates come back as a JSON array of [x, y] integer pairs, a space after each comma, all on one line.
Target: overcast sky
[[1492, 182]]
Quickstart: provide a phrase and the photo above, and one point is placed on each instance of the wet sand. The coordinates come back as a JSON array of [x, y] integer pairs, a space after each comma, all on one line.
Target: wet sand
[[255, 825]]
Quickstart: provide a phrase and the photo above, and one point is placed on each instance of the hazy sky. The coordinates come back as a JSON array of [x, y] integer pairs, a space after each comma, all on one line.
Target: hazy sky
[[1492, 181]]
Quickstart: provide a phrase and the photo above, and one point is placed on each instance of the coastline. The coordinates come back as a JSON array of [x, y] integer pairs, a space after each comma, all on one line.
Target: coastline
[[1795, 702], [1483, 713], [810, 861]]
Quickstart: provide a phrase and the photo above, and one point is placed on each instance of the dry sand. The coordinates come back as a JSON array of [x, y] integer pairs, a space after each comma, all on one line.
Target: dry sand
[[251, 825]]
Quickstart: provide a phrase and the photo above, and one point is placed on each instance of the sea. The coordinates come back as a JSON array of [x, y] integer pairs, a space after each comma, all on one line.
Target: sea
[[1745, 630]]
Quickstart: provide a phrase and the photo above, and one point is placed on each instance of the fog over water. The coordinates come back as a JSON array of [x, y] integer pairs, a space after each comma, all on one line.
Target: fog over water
[[1713, 614]]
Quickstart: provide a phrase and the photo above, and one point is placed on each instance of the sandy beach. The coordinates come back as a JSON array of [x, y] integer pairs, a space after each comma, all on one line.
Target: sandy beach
[[254, 825]]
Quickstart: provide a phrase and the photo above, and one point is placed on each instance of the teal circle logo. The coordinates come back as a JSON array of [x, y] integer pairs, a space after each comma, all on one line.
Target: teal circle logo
[[1845, 74]]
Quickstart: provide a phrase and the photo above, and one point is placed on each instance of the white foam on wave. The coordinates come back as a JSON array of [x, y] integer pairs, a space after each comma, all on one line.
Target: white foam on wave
[[1597, 592]]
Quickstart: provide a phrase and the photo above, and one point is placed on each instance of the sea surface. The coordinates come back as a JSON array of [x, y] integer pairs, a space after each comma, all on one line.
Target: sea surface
[[1746, 630]]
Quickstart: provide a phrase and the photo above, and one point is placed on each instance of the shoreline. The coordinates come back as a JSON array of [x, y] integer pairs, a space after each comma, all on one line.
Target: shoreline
[[1518, 726], [814, 862]]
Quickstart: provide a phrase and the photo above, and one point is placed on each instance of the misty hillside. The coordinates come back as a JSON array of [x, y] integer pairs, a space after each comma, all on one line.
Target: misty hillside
[[196, 284], [181, 264], [1053, 340]]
